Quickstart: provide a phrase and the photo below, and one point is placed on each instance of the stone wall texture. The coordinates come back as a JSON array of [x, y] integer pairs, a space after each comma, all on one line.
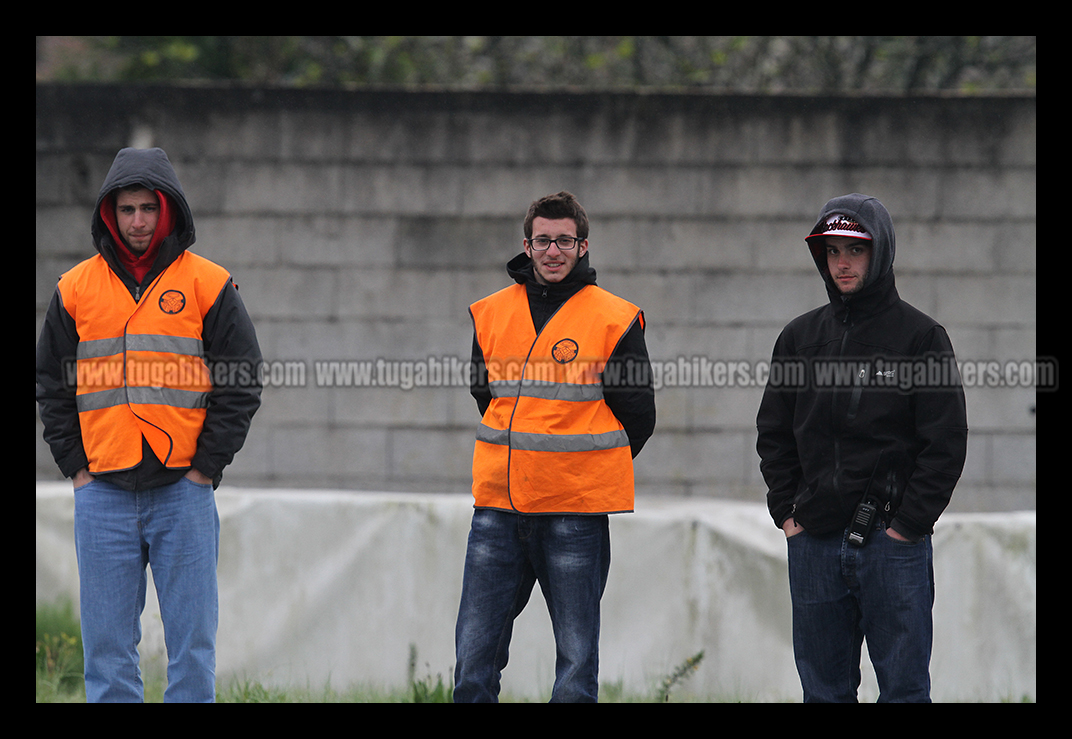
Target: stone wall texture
[[359, 226]]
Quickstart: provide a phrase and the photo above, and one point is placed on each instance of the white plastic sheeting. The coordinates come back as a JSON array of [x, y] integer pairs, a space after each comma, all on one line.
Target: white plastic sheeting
[[340, 588]]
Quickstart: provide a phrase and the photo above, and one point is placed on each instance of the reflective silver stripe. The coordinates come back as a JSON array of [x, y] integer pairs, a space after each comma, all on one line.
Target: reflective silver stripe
[[573, 392], [101, 399], [140, 343], [553, 442], [168, 396], [143, 395], [487, 434], [100, 348], [160, 343]]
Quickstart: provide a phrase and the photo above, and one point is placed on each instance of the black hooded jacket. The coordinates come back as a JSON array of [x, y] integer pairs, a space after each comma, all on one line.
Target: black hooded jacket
[[227, 336], [632, 402], [864, 398]]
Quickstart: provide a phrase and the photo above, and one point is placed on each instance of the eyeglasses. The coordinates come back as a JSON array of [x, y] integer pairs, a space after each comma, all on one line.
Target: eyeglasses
[[565, 243]]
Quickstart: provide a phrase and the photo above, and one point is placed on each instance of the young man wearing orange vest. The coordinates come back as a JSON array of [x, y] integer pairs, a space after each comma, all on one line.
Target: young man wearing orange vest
[[147, 379], [563, 383]]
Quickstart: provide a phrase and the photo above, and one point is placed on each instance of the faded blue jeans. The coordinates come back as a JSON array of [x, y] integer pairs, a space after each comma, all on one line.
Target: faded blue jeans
[[175, 530], [882, 592], [507, 554]]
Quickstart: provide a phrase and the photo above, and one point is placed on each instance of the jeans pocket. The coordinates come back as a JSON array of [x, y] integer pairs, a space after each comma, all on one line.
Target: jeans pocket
[[899, 542], [198, 485]]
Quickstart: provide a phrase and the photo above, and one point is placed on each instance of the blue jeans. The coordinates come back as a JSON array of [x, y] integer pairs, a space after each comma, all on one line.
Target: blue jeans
[[842, 594], [507, 554], [174, 529]]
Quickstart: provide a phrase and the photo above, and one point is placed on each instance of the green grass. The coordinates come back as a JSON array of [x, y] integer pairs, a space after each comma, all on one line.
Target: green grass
[[59, 655], [59, 677]]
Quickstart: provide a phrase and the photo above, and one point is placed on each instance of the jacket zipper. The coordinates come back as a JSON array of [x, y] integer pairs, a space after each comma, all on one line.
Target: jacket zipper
[[854, 402], [857, 391]]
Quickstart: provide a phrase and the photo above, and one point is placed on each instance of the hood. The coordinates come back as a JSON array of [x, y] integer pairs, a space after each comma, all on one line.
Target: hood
[[875, 219], [521, 270], [152, 169]]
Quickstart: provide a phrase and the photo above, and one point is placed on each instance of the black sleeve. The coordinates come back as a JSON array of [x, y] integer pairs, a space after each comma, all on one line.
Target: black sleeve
[[478, 379], [776, 443], [234, 360], [56, 388], [941, 431], [628, 386]]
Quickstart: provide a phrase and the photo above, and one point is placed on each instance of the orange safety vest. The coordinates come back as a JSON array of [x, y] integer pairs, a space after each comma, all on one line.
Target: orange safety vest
[[548, 443], [140, 365]]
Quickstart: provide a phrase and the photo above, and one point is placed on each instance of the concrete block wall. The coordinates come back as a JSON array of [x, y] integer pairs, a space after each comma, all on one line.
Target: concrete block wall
[[360, 225]]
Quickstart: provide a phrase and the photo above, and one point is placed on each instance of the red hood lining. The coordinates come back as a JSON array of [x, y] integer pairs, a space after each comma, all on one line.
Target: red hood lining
[[139, 264]]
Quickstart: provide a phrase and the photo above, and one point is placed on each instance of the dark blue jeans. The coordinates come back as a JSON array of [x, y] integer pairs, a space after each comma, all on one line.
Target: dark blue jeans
[[842, 594], [507, 554]]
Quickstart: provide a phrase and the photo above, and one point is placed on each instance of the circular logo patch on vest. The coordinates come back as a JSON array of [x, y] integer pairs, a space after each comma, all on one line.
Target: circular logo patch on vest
[[172, 301], [564, 351]]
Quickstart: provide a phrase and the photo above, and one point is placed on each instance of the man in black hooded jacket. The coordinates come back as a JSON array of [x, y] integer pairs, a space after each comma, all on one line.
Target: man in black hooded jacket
[[147, 380], [862, 437]]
